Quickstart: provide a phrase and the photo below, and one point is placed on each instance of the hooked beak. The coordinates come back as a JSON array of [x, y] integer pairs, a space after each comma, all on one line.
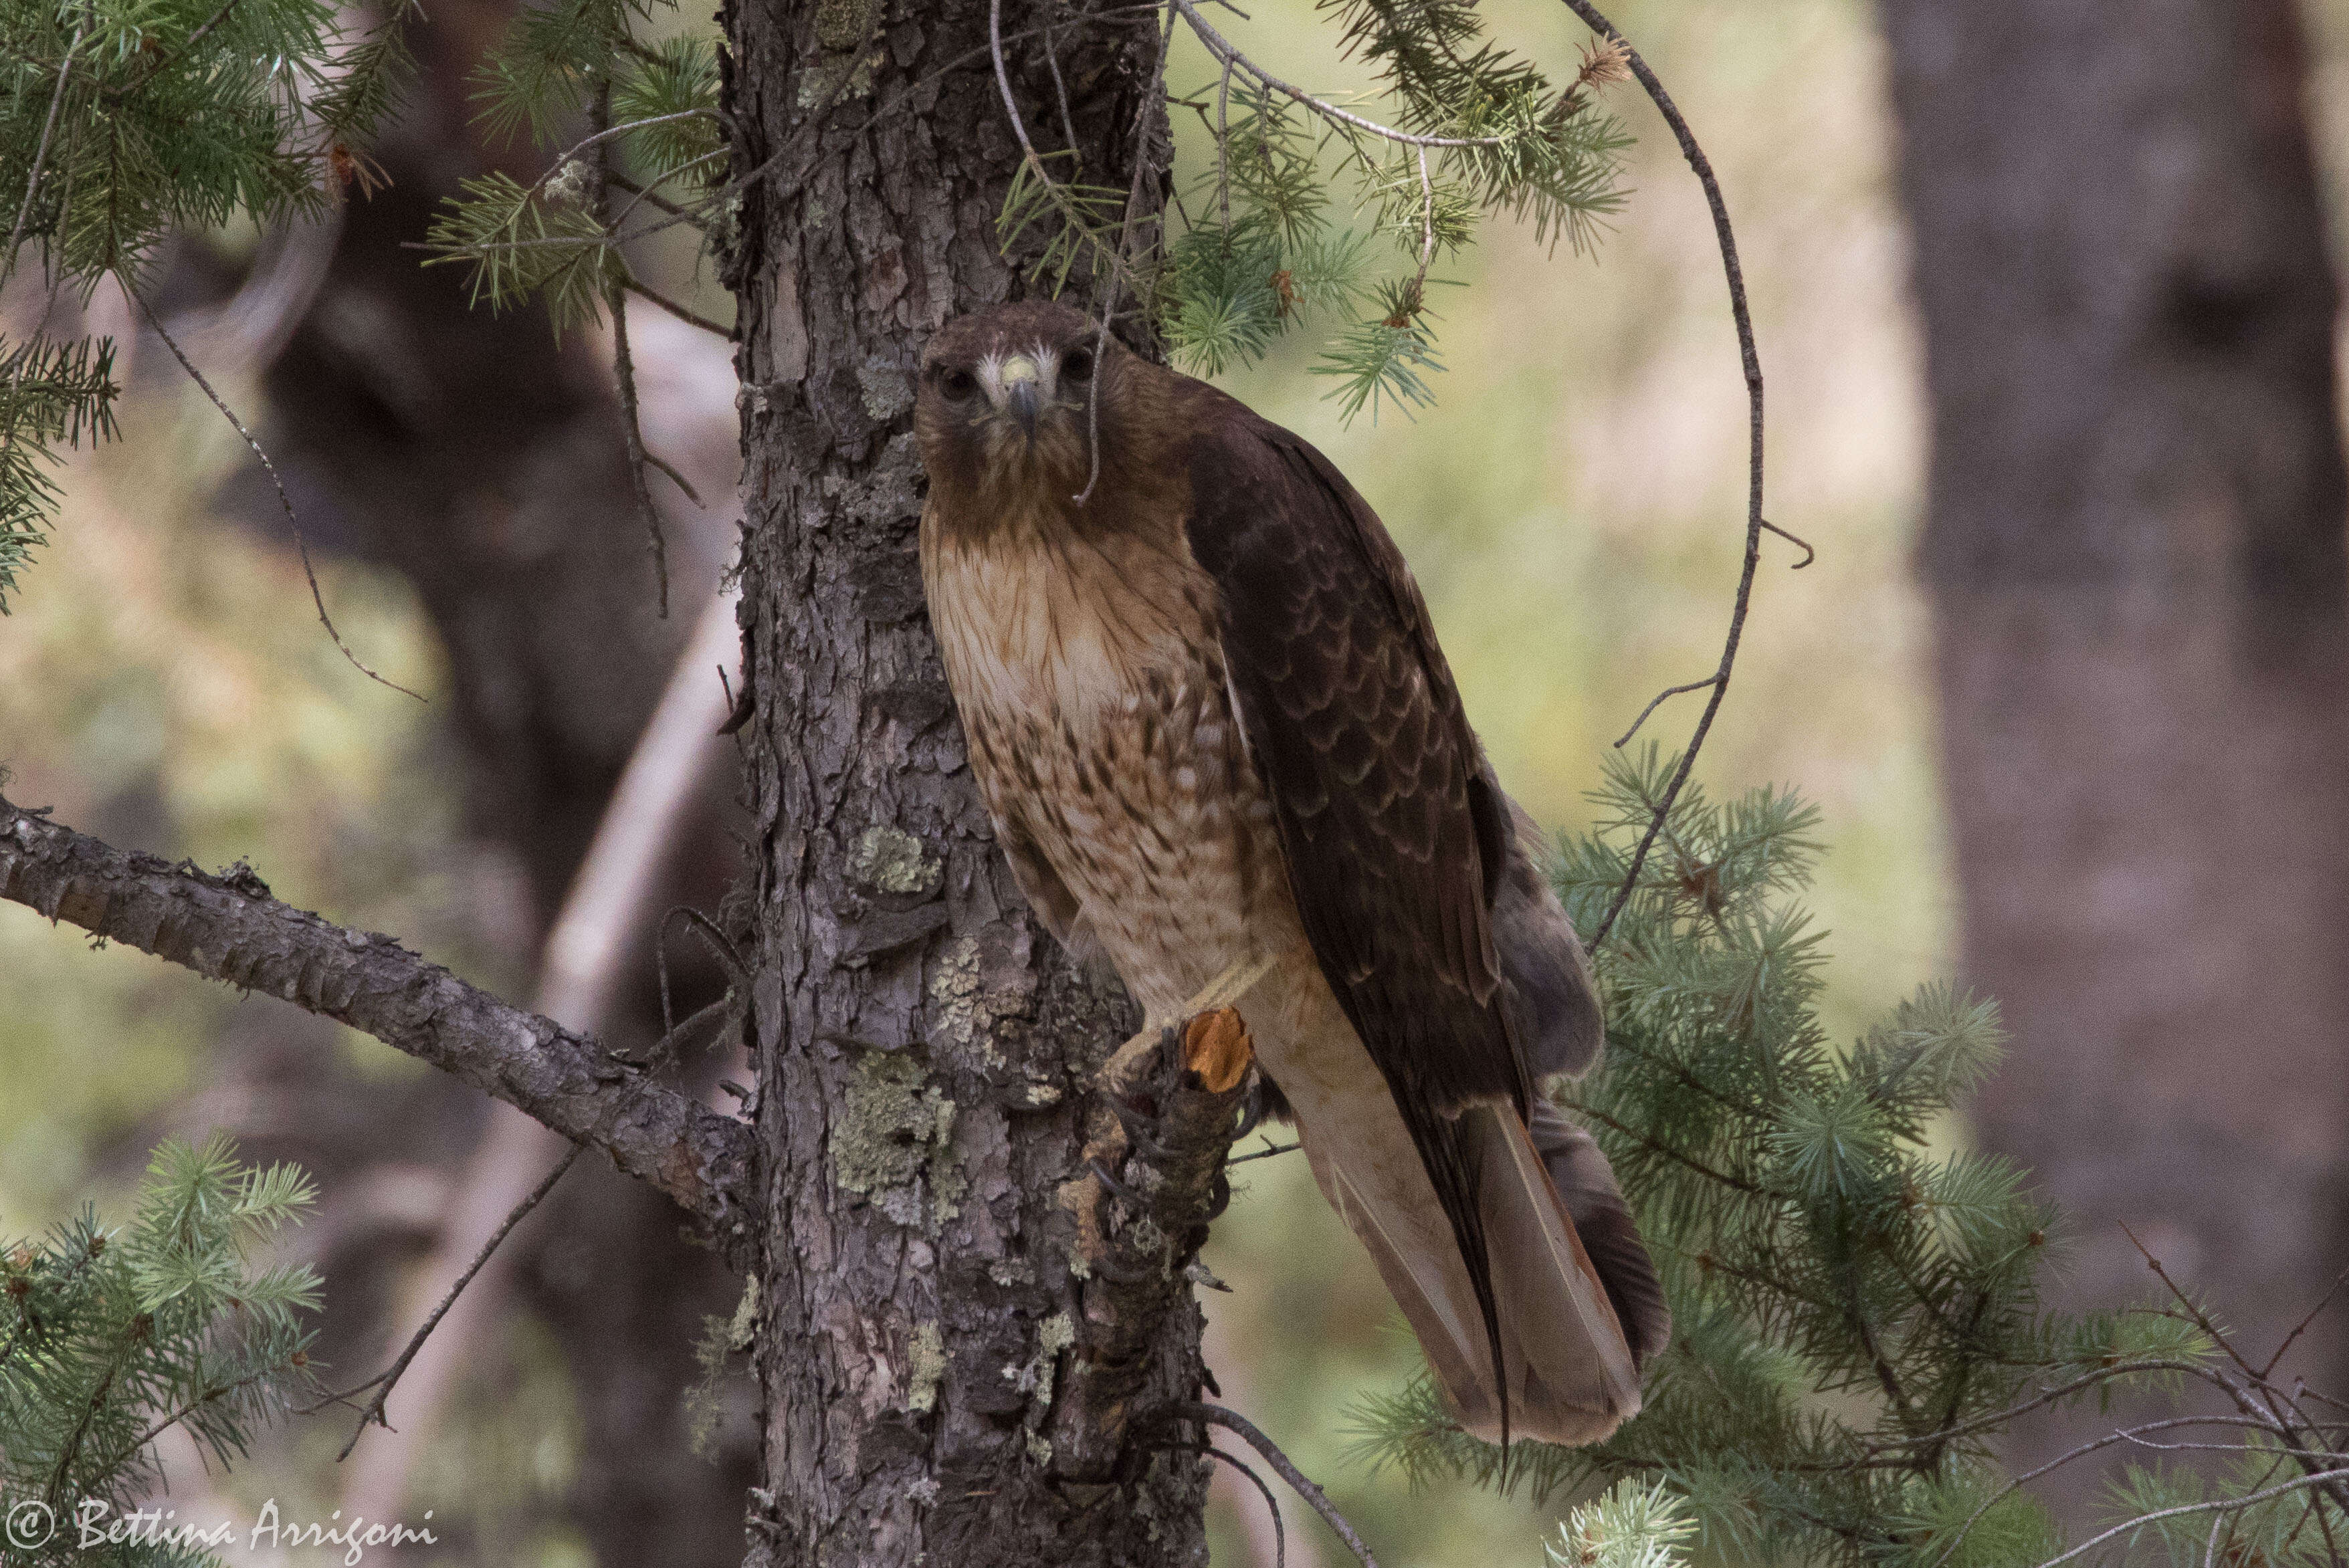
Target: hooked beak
[[1020, 376]]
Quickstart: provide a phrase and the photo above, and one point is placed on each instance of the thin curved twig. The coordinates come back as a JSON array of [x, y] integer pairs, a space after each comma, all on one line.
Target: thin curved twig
[[1060, 91], [2046, 1396], [1271, 1503], [1809, 553], [389, 1379], [301, 544], [624, 363], [1750, 357], [2301, 1326], [624, 370], [1656, 702], [1247, 1431]]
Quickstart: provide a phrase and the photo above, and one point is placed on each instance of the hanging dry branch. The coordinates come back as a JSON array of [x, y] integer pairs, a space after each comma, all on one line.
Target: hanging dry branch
[[1750, 357]]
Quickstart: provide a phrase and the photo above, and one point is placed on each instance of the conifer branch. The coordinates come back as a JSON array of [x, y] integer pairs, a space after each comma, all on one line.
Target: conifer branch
[[1224, 51], [229, 928], [41, 152], [156, 65]]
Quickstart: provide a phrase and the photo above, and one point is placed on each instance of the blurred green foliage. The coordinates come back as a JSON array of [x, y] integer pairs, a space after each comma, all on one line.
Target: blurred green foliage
[[109, 1338], [124, 122]]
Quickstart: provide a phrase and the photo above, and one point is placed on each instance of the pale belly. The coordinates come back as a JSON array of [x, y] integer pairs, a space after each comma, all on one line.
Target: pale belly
[[1102, 734], [1162, 832]]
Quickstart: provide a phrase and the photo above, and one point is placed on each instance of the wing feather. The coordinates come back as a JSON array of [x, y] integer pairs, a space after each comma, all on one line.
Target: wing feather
[[1356, 730]]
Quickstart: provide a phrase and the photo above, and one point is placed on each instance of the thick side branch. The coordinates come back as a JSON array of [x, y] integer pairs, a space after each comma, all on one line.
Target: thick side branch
[[229, 927]]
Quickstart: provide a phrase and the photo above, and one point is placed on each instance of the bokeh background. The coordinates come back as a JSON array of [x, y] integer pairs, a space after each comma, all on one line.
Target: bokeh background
[[1572, 504]]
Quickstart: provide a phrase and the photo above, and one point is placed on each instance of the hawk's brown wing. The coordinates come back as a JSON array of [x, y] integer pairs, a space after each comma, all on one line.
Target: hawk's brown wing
[[1390, 827]]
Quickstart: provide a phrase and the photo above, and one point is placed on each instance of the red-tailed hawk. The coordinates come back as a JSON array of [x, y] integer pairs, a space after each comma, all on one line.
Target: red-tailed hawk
[[1209, 715]]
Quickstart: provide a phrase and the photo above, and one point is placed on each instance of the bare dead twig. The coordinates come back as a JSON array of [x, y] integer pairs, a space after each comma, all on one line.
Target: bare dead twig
[[678, 480], [624, 364], [1145, 127], [1809, 554], [624, 371], [653, 198], [1751, 360], [2193, 1308], [2126, 1435], [2226, 1504], [2301, 1326], [692, 318], [1223, 148], [1233, 1421], [1060, 91], [301, 544], [386, 1381], [2045, 1397], [1656, 702]]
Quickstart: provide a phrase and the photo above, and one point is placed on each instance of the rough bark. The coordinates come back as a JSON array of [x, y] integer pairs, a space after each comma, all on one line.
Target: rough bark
[[228, 928], [2135, 543], [924, 1049]]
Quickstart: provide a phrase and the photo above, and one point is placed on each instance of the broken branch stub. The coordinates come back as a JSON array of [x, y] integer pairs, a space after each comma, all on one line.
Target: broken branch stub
[[1167, 1109]]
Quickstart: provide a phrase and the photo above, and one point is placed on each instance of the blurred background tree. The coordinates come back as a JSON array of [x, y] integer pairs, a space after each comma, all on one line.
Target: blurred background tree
[[2134, 541], [1569, 502]]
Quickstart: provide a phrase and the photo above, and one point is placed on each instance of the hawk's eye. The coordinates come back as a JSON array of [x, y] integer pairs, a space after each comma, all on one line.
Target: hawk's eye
[[1077, 365], [957, 383]]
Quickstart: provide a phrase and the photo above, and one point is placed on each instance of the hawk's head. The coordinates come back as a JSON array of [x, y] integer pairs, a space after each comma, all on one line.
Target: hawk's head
[[1002, 405]]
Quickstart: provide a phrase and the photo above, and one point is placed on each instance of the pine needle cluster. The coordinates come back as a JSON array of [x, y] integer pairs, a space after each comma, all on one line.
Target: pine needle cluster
[[1857, 1317], [108, 1339], [653, 156], [1475, 129], [123, 122]]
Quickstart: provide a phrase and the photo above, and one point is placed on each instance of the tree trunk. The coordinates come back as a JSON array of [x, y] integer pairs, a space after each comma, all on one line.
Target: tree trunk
[[924, 1049], [2135, 542]]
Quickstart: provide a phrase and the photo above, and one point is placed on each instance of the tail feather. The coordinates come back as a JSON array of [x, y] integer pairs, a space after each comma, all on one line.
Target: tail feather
[[1572, 1378], [1586, 1184]]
